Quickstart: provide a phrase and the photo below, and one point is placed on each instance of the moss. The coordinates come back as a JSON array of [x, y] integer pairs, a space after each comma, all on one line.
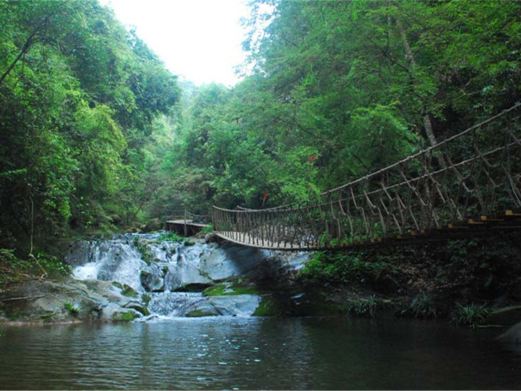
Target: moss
[[198, 314], [47, 316], [188, 243], [145, 298], [141, 309], [227, 289], [127, 316], [268, 307], [117, 284], [128, 291], [144, 250]]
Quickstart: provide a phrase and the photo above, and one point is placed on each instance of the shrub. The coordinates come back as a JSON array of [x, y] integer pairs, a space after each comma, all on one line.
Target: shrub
[[344, 268], [363, 307], [207, 229], [171, 237]]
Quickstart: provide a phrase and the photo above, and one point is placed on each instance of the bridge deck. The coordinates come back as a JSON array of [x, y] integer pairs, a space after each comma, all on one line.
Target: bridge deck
[[463, 229]]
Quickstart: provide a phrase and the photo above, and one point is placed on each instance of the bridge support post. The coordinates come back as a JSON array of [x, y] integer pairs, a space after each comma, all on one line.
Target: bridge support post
[[185, 228]]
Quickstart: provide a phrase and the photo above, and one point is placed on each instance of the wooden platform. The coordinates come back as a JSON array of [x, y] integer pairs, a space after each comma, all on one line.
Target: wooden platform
[[184, 227], [187, 222]]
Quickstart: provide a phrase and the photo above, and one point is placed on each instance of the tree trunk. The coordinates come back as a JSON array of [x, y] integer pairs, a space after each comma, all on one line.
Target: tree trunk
[[25, 48], [427, 123]]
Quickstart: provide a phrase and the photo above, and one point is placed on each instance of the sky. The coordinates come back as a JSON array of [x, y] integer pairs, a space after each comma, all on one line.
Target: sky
[[198, 40]]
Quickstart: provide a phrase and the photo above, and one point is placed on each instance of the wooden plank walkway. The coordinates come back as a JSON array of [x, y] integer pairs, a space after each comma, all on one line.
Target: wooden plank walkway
[[471, 227]]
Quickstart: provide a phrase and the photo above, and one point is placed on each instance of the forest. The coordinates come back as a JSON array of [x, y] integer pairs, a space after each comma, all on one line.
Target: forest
[[97, 136], [361, 183]]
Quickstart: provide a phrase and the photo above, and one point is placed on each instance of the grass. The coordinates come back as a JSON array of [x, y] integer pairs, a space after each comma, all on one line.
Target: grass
[[72, 309], [421, 307], [471, 315]]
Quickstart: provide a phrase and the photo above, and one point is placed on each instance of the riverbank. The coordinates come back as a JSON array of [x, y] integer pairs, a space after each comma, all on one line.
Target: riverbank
[[469, 282]]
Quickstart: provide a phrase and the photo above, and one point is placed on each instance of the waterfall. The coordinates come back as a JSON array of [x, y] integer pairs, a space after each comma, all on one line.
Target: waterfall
[[168, 277]]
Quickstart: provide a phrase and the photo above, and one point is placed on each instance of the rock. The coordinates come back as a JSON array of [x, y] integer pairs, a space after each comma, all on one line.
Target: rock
[[125, 316], [79, 253], [212, 238], [185, 273], [152, 278], [512, 335], [235, 305], [68, 300], [199, 314]]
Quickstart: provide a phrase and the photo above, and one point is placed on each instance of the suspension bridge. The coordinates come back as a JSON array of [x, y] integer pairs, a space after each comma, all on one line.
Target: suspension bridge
[[466, 185]]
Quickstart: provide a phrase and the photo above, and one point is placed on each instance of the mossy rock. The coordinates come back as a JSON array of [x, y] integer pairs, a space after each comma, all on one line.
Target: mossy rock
[[228, 289], [268, 307], [126, 316], [145, 298], [128, 291], [140, 308], [199, 314]]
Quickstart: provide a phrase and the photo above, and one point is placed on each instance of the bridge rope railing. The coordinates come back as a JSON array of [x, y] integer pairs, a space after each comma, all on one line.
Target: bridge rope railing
[[474, 173]]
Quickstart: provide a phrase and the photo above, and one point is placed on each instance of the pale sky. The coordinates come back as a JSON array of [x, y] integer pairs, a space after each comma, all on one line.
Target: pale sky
[[198, 40]]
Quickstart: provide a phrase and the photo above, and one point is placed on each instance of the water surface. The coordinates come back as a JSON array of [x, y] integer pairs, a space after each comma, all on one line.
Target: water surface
[[251, 353]]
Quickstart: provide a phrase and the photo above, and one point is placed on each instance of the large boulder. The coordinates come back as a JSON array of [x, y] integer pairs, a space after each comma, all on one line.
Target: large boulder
[[512, 335], [65, 301], [152, 278], [235, 305]]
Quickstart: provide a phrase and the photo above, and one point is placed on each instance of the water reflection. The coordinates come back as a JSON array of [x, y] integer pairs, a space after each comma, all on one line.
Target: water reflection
[[256, 353]]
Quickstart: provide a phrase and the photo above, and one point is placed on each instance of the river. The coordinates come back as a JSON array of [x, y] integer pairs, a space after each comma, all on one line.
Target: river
[[252, 353], [232, 349]]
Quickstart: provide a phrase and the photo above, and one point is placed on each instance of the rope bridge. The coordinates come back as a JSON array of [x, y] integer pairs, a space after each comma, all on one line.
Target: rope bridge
[[465, 184]]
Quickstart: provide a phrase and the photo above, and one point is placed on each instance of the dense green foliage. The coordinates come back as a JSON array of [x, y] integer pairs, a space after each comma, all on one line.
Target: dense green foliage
[[15, 270], [92, 136], [79, 99], [458, 278], [337, 89]]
